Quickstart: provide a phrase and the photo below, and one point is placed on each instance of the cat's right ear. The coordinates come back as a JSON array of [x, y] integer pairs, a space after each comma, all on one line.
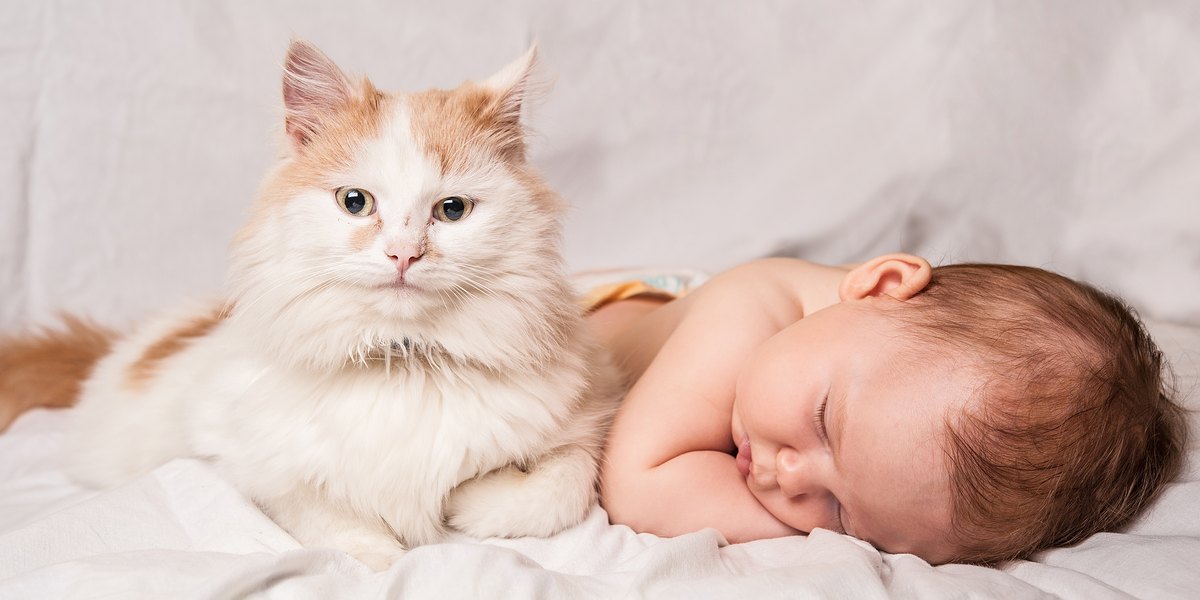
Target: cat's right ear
[[313, 87]]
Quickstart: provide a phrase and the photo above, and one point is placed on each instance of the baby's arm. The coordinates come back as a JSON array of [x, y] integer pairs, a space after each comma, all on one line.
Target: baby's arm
[[669, 468]]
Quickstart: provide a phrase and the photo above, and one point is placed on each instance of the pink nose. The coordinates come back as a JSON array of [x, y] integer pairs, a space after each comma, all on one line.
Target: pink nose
[[404, 257]]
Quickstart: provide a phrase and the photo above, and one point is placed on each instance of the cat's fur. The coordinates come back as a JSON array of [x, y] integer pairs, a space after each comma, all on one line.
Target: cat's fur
[[371, 380]]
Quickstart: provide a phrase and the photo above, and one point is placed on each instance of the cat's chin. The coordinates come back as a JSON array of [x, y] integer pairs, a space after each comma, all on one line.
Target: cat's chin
[[398, 285], [401, 299], [401, 286]]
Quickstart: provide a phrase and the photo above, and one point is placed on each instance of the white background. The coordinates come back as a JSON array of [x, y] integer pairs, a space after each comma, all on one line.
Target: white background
[[699, 134]]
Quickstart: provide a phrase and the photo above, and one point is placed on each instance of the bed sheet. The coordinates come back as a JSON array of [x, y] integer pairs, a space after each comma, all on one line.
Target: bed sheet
[[181, 531], [1064, 135]]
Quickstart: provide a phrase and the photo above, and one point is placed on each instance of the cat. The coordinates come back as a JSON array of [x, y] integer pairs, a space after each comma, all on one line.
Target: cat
[[398, 352]]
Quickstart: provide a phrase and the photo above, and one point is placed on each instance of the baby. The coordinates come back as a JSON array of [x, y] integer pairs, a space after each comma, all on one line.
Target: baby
[[968, 413]]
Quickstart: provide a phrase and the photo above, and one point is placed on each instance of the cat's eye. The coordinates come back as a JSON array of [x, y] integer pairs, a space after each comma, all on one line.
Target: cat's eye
[[355, 201], [453, 208]]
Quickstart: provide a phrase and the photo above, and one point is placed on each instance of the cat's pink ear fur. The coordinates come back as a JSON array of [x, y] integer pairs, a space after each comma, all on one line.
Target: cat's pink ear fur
[[514, 86], [313, 87]]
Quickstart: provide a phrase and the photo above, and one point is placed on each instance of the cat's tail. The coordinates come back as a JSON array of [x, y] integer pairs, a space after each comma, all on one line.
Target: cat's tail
[[47, 368]]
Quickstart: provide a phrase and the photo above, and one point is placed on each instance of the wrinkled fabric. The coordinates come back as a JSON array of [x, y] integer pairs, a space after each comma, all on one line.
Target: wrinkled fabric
[[181, 531]]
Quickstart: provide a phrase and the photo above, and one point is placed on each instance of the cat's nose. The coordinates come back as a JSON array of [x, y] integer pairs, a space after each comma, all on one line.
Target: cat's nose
[[404, 256]]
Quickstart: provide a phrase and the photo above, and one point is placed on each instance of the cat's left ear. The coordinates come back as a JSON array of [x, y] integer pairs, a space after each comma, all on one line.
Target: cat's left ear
[[513, 88]]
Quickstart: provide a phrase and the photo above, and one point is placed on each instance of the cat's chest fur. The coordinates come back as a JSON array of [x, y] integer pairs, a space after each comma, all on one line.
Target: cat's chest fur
[[402, 431]]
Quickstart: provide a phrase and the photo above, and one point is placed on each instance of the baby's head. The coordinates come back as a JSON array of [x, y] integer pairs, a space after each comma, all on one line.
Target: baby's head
[[1072, 431]]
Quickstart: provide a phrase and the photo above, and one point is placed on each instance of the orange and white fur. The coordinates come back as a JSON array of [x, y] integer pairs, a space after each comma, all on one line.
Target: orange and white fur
[[398, 352]]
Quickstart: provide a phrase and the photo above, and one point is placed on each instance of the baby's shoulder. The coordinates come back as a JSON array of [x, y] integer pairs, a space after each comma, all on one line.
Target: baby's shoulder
[[758, 292], [776, 287], [786, 275]]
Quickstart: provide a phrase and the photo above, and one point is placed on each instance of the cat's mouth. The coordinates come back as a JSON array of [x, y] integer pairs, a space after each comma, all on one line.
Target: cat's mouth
[[399, 281], [401, 284]]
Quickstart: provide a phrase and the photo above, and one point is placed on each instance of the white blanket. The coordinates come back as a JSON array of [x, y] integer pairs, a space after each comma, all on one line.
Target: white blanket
[[181, 531]]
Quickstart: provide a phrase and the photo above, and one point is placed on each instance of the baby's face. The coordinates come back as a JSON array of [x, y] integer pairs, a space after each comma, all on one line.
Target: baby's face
[[839, 426]]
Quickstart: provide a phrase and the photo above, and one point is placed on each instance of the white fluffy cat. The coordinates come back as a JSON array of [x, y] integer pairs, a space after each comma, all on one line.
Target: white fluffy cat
[[399, 351]]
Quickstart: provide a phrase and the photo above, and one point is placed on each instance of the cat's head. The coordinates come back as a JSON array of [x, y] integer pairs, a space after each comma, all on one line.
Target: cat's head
[[400, 216]]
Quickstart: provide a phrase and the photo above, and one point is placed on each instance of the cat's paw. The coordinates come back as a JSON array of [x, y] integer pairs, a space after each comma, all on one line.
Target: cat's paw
[[508, 502], [480, 507]]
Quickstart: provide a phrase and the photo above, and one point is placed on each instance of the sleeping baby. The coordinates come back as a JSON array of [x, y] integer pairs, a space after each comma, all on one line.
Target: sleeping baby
[[968, 413]]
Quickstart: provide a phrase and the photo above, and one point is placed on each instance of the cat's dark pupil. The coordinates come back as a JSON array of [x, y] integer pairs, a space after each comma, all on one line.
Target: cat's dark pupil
[[355, 201], [453, 207]]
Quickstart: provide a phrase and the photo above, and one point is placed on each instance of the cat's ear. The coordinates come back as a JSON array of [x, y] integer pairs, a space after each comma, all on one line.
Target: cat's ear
[[513, 87], [313, 88]]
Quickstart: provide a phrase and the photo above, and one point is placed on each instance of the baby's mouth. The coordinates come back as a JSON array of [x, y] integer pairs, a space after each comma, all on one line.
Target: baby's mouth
[[743, 456]]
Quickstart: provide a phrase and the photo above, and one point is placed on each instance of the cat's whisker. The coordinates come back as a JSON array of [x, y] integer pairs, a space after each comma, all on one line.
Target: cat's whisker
[[464, 293], [296, 279], [316, 268], [484, 290], [483, 278], [480, 270], [320, 287], [281, 312], [481, 281]]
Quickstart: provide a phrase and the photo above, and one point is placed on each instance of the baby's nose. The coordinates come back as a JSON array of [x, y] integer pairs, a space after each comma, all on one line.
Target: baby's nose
[[795, 472]]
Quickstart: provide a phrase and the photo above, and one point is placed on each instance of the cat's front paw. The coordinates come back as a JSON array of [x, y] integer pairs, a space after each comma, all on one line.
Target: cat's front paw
[[483, 506], [554, 492]]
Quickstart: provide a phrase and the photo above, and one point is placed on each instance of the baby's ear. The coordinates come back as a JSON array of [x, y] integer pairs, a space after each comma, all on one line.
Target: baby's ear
[[899, 276], [313, 88]]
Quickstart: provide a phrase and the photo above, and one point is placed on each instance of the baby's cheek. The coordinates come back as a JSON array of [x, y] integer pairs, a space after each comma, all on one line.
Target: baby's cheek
[[786, 510]]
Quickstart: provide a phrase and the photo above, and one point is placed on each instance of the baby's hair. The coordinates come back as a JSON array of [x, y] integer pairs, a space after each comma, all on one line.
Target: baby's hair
[[1073, 430]]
